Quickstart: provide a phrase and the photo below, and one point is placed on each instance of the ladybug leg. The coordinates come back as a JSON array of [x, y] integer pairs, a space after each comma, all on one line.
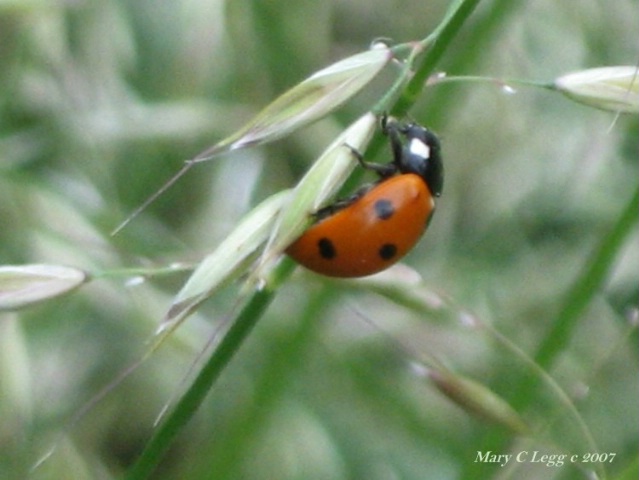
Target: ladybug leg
[[328, 210], [335, 207], [383, 171]]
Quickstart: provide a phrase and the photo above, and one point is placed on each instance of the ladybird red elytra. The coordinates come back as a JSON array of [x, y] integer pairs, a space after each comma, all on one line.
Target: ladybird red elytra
[[381, 223]]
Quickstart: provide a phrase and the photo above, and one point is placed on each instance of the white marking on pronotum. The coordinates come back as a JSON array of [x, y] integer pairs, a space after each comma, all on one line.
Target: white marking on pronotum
[[417, 147]]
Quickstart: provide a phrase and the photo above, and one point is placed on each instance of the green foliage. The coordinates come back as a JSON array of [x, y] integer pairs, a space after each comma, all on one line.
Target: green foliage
[[527, 296]]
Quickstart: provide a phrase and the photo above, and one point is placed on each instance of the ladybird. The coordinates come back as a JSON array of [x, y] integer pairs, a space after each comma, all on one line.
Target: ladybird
[[377, 226]]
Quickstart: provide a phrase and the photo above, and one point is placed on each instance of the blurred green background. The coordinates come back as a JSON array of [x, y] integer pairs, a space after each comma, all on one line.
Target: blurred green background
[[101, 101]]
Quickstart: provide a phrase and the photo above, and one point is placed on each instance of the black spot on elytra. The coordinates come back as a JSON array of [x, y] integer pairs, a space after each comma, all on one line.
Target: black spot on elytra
[[326, 249], [387, 251], [384, 209]]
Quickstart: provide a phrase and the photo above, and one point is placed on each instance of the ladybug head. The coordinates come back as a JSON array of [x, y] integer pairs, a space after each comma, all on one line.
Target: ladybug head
[[416, 150]]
